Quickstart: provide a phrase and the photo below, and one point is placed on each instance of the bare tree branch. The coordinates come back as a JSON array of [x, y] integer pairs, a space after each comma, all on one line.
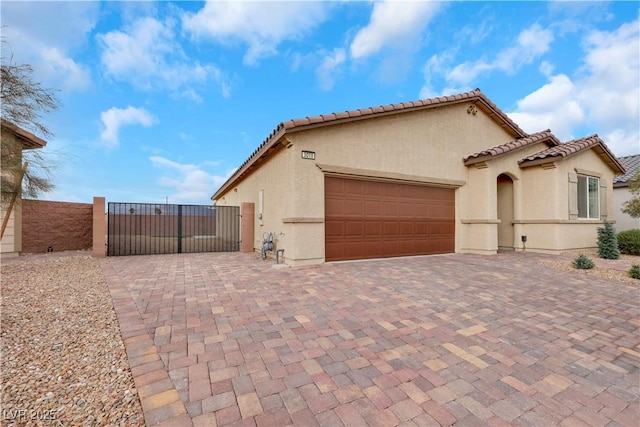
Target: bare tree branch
[[23, 102]]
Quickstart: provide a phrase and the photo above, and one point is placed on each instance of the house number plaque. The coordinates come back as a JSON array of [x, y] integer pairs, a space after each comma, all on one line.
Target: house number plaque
[[309, 155]]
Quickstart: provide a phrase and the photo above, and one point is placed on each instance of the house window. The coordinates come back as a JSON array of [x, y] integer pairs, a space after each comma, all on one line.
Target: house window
[[588, 197]]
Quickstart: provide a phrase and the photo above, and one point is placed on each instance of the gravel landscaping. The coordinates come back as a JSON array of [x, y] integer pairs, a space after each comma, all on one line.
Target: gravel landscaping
[[617, 270], [63, 361]]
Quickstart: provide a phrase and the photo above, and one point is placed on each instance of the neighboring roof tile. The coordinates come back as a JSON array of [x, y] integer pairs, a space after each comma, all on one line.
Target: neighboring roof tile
[[299, 124], [632, 165], [570, 148], [545, 136]]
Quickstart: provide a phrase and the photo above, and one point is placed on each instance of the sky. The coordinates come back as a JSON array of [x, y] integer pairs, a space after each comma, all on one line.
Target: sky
[[162, 101]]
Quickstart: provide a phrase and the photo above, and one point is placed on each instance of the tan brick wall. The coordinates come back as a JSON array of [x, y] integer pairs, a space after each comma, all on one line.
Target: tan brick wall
[[61, 225]]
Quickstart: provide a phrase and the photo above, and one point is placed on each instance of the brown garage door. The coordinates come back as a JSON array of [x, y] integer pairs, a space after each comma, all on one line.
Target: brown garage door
[[367, 219]]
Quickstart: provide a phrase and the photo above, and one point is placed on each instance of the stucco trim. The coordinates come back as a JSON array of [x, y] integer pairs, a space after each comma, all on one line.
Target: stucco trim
[[388, 176], [559, 221], [480, 221], [302, 220], [588, 172]]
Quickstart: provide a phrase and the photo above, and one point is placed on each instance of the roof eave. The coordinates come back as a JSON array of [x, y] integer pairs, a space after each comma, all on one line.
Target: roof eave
[[29, 141], [540, 161], [549, 139], [262, 151], [475, 97]]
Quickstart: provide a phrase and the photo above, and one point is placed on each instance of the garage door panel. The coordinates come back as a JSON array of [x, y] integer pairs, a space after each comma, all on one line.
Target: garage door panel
[[374, 229], [390, 229], [353, 187], [373, 249], [334, 228], [372, 208], [439, 211], [354, 229], [390, 248], [333, 206], [367, 219], [353, 208], [406, 229], [353, 249]]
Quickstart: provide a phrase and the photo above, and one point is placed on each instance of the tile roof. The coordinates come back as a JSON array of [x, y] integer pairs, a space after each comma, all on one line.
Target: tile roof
[[271, 142], [545, 136], [570, 148], [404, 107], [632, 165]]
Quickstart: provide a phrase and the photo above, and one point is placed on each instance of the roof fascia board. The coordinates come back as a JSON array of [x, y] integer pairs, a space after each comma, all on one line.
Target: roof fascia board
[[260, 152], [613, 163], [488, 157], [29, 140]]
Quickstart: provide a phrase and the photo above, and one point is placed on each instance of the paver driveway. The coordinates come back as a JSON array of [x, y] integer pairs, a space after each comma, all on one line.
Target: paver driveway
[[218, 339]]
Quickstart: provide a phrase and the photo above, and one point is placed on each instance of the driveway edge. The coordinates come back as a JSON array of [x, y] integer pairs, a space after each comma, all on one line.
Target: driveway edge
[[161, 403]]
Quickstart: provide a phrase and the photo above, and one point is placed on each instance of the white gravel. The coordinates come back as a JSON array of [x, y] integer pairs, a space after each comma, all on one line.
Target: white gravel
[[63, 361]]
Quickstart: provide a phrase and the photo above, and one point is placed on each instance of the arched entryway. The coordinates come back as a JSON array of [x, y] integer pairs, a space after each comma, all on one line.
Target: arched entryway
[[505, 212]]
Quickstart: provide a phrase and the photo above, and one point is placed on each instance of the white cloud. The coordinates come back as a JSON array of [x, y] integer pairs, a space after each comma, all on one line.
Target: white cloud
[[434, 67], [114, 118], [146, 54], [532, 43], [330, 66], [604, 97], [189, 183], [553, 106], [392, 24], [45, 47], [74, 76], [262, 25]]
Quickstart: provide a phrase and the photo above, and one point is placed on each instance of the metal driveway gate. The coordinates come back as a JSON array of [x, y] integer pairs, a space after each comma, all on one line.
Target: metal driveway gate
[[145, 228]]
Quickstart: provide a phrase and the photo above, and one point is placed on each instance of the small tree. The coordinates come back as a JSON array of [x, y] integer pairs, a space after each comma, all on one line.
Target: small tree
[[23, 102], [632, 207], [583, 262], [607, 242]]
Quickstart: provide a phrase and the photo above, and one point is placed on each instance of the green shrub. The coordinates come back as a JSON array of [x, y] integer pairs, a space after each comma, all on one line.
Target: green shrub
[[634, 272], [583, 262], [629, 242], [607, 242]]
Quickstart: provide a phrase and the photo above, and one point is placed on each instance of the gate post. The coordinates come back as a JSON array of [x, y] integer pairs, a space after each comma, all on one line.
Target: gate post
[[99, 228], [179, 229], [247, 219]]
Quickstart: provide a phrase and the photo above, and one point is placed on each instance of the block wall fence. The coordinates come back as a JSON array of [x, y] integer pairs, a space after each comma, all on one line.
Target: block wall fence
[[49, 226]]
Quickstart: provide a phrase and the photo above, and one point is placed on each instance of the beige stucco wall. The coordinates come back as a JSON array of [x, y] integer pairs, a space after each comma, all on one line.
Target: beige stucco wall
[[546, 220], [479, 224], [12, 240], [275, 178], [11, 243], [427, 147], [623, 221], [429, 144]]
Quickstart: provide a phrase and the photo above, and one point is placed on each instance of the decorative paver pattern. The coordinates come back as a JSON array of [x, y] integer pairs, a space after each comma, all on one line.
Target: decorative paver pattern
[[225, 339]]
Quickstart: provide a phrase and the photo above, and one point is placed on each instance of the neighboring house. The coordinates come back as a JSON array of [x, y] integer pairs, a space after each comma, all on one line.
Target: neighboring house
[[442, 175], [622, 194], [11, 244]]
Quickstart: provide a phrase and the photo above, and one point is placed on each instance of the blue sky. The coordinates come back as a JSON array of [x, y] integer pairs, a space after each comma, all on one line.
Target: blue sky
[[163, 100]]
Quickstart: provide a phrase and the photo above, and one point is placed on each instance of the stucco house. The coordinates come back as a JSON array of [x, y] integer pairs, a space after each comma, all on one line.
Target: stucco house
[[14, 139], [621, 193], [442, 175]]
